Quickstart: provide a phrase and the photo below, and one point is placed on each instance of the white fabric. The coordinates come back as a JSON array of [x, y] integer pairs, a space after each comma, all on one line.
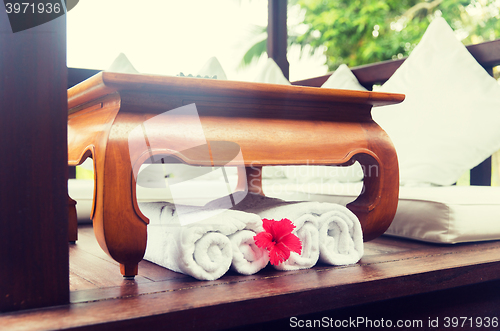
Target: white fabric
[[202, 249], [122, 64], [343, 78], [447, 214], [213, 68], [272, 74], [82, 191], [247, 257], [450, 214], [449, 120], [329, 232], [317, 173]]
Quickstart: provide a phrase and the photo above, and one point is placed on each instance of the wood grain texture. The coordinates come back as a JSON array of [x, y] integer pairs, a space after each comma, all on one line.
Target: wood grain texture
[[33, 189], [271, 125], [406, 272]]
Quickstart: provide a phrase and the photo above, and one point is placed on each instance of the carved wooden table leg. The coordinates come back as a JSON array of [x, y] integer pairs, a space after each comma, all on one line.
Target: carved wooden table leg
[[377, 204], [119, 226]]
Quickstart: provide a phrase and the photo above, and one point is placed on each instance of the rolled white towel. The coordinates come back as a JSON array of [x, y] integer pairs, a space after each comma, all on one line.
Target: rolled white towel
[[201, 249], [306, 230], [340, 235], [339, 238], [247, 257], [306, 226]]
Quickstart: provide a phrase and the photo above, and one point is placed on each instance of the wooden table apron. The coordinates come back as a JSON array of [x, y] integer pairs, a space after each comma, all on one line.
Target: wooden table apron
[[272, 124]]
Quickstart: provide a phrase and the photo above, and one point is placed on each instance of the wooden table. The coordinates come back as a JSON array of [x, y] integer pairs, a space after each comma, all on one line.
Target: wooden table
[[272, 124]]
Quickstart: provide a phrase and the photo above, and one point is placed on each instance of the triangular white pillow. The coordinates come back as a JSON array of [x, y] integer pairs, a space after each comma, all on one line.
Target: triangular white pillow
[[343, 78], [450, 119], [271, 73], [213, 68], [122, 64]]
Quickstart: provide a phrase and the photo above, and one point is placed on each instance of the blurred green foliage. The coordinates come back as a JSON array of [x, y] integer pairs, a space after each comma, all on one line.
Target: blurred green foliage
[[357, 32]]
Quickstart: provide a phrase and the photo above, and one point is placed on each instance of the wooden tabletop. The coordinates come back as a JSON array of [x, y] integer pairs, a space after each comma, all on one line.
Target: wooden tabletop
[[108, 82], [391, 268]]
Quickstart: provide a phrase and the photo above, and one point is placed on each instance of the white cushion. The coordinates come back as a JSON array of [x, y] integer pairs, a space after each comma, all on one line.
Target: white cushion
[[122, 64], [195, 192], [448, 214], [343, 78], [450, 119], [213, 68], [272, 74], [82, 191]]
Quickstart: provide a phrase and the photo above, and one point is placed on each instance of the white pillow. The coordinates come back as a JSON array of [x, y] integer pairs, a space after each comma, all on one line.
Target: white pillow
[[271, 73], [450, 119], [343, 78], [213, 68], [123, 65]]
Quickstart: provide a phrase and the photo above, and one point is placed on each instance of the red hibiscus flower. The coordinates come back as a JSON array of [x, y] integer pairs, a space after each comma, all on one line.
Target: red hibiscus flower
[[278, 240]]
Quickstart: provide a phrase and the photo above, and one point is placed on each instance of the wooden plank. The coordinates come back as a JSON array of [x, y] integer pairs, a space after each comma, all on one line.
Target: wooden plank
[[100, 272], [33, 192], [89, 264], [481, 174], [242, 303], [465, 308], [78, 283], [396, 268], [486, 53]]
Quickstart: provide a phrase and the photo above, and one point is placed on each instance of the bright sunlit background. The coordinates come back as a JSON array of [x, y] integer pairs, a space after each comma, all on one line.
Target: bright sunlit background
[[168, 37]]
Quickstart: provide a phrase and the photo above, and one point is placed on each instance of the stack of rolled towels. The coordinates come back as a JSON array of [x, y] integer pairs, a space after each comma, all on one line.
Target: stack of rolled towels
[[223, 239]]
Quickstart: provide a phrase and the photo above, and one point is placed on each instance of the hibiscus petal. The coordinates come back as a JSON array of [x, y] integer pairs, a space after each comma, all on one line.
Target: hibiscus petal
[[264, 240], [281, 228], [292, 242], [279, 253], [267, 224]]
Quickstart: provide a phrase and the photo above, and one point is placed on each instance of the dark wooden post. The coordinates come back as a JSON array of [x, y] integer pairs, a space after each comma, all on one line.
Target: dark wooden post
[[277, 34], [480, 175], [34, 267]]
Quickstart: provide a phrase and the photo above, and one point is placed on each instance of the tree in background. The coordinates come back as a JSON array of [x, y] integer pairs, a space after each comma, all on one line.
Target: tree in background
[[357, 32]]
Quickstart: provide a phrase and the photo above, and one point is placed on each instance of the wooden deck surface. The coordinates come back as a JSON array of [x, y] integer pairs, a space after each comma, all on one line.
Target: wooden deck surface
[[158, 298]]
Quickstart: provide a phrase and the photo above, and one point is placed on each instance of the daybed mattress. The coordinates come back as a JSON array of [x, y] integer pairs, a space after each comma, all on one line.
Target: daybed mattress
[[447, 214], [450, 214]]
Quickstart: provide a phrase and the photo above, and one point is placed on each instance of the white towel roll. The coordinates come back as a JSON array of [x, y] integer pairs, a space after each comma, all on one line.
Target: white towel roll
[[247, 257], [306, 226], [335, 239], [201, 249], [340, 236], [307, 232]]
